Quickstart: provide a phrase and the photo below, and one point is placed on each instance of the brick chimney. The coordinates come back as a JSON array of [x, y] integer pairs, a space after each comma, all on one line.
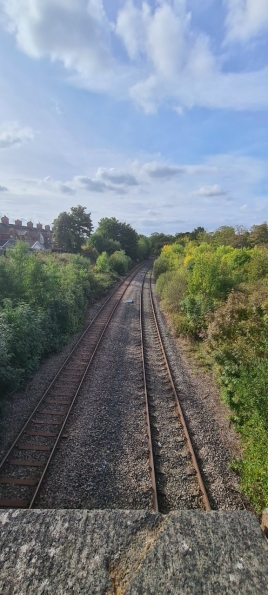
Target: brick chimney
[[30, 224], [18, 223], [47, 227], [39, 226], [5, 220]]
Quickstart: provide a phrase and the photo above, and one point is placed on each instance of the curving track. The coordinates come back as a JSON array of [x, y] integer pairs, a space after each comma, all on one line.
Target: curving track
[[24, 466], [175, 475]]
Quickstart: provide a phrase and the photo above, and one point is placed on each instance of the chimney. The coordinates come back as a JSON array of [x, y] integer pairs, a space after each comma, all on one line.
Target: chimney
[[5, 220], [47, 227], [30, 224], [18, 223], [39, 226]]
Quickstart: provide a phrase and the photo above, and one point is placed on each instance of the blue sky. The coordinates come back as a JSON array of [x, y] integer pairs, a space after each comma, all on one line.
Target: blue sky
[[154, 112]]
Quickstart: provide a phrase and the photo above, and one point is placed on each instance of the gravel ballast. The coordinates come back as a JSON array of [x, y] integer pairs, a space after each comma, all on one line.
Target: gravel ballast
[[176, 481], [103, 461]]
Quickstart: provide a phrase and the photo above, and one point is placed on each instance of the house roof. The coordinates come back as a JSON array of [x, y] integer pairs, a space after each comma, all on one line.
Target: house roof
[[6, 244], [4, 228], [21, 232], [36, 246]]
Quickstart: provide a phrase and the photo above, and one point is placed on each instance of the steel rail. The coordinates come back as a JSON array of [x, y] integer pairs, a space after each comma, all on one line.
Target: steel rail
[[76, 395], [151, 455], [128, 279], [179, 409]]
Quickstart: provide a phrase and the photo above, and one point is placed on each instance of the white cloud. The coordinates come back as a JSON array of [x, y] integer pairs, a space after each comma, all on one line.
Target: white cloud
[[11, 134], [3, 189], [166, 60], [246, 19], [90, 183], [65, 189], [75, 32], [215, 190], [117, 177], [158, 170], [161, 170]]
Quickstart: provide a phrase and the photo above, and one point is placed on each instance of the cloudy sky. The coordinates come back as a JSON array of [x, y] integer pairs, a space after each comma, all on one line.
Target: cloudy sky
[[153, 111]]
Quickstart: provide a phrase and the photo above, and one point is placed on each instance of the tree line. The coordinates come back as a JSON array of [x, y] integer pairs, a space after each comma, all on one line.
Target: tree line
[[73, 232]]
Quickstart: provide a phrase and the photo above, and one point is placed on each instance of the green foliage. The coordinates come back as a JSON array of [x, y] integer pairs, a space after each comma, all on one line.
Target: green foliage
[[143, 247], [120, 262], [103, 264], [259, 234], [171, 287], [123, 233], [218, 294], [158, 240], [43, 300], [90, 252], [160, 266], [70, 230], [258, 264], [103, 244]]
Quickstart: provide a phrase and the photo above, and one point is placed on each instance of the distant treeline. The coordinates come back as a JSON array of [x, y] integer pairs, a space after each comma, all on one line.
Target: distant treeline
[[215, 287]]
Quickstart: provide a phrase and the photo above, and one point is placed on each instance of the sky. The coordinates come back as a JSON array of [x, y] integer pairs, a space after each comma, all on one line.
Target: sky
[[154, 112]]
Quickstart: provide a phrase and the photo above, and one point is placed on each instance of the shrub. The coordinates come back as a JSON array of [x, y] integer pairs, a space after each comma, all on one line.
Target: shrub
[[48, 295], [103, 264], [120, 262], [160, 266]]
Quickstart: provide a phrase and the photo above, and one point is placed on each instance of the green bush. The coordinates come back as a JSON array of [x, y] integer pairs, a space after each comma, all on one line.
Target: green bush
[[218, 295], [103, 264], [160, 266], [43, 300], [120, 262]]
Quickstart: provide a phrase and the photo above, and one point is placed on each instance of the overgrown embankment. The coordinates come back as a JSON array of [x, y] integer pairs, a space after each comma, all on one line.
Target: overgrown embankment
[[43, 301], [218, 295]]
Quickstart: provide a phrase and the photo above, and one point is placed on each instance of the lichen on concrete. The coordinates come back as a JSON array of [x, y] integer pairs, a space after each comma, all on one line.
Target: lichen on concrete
[[121, 552]]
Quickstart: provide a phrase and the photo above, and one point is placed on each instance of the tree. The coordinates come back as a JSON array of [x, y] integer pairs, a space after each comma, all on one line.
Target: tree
[[120, 232], [224, 236], [259, 234], [143, 247], [158, 240], [195, 233], [70, 230], [103, 244]]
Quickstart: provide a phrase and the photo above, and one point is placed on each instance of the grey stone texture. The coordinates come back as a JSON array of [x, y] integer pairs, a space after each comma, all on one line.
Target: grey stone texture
[[121, 552]]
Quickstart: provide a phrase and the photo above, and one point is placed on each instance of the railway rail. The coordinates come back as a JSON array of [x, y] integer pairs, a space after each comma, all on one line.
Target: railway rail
[[175, 475], [25, 465]]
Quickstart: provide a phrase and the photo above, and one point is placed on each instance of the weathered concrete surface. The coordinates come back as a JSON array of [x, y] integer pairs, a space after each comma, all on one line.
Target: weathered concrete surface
[[64, 552]]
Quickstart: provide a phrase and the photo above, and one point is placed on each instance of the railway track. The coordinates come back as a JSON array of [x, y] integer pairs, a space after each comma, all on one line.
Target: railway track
[[175, 476], [25, 465]]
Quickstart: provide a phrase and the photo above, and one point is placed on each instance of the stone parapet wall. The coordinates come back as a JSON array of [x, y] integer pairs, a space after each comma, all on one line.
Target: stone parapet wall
[[131, 552]]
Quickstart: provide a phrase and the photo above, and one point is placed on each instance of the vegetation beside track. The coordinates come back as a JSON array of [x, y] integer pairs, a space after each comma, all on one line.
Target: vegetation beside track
[[217, 294], [44, 296], [43, 301]]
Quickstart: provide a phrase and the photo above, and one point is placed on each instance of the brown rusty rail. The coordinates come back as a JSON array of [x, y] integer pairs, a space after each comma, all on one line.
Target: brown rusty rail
[[153, 473]]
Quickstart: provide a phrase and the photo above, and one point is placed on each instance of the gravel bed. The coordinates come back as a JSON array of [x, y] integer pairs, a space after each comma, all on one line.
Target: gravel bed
[[18, 406], [176, 481], [215, 442], [104, 461]]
